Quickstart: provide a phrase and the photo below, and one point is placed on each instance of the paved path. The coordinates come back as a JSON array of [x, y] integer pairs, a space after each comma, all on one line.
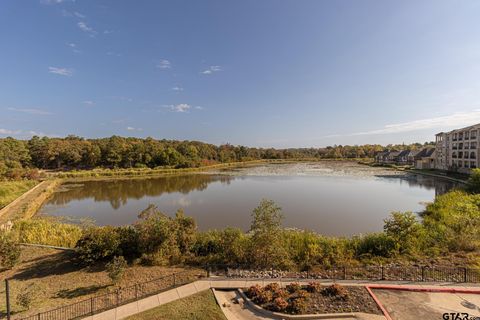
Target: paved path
[[233, 306]]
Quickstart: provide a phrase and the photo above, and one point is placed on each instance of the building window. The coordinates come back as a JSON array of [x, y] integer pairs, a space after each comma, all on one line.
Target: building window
[[472, 155], [473, 164]]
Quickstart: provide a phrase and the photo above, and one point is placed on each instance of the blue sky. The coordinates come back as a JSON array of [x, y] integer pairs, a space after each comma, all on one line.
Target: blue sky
[[259, 73]]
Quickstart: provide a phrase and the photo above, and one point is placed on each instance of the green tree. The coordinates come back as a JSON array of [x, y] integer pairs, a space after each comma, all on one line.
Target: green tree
[[266, 242], [404, 228]]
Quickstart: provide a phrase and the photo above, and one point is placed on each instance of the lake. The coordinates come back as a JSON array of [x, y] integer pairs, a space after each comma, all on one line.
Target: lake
[[331, 197]]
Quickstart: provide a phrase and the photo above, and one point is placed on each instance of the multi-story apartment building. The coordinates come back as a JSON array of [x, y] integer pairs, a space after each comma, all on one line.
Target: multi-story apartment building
[[458, 150]]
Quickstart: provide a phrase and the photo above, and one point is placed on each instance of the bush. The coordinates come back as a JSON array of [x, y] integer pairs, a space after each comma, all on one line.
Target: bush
[[254, 291], [294, 287], [375, 244], [116, 268], [336, 290], [314, 287], [279, 304], [263, 297], [9, 250], [98, 244], [298, 306], [26, 298]]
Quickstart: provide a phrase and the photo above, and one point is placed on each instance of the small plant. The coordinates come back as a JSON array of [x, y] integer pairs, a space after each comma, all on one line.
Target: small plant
[[294, 287], [27, 297], [298, 305], [9, 250], [280, 304], [336, 290], [116, 268], [272, 287], [314, 287], [263, 297], [254, 291]]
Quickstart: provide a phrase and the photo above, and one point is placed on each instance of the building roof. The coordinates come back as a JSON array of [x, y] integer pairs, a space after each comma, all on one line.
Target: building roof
[[426, 152]]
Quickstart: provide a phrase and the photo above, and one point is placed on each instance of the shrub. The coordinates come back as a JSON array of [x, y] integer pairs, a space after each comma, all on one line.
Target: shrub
[[279, 304], [9, 250], [116, 268], [263, 297], [26, 298], [336, 290], [294, 287], [298, 306], [404, 228], [314, 287], [375, 244], [254, 291], [98, 244]]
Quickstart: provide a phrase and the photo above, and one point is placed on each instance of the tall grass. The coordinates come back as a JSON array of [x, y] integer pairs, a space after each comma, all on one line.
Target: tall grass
[[47, 232]]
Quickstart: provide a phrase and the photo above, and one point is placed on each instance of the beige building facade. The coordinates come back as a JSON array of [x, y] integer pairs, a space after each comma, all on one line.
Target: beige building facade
[[458, 150]]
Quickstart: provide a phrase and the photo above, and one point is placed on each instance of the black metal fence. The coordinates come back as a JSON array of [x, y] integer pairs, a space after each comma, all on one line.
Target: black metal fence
[[116, 298], [372, 273]]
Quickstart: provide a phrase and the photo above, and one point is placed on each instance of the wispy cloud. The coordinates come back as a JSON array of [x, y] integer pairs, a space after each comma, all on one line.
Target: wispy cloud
[[79, 15], [107, 31], [9, 132], [28, 133], [51, 1], [60, 71], [31, 111], [199, 107], [86, 28], [88, 102], [459, 119], [177, 88], [134, 129], [182, 107], [164, 64], [212, 69]]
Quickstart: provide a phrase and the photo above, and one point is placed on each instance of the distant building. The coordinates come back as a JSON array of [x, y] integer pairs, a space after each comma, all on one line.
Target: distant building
[[425, 159], [458, 150]]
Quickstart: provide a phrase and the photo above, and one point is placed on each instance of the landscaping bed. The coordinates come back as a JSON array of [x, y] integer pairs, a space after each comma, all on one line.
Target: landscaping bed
[[313, 298]]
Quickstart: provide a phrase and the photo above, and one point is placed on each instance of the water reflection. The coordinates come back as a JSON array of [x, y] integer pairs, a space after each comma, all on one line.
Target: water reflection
[[118, 192]]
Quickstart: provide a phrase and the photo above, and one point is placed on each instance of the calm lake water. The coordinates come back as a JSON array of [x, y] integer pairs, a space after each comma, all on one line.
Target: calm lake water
[[332, 198]]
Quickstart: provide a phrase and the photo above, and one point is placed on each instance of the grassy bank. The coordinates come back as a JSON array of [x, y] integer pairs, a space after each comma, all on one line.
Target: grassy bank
[[200, 306], [10, 190], [54, 279], [28, 205]]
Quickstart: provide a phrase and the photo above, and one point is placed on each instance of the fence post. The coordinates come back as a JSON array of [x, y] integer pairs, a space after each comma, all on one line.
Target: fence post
[[92, 310], [174, 279], [118, 297], [423, 273], [7, 296], [465, 274], [344, 273], [383, 273]]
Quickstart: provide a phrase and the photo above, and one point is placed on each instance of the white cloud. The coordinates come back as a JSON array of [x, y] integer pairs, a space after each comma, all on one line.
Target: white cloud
[[212, 69], [72, 45], [84, 27], [164, 64], [30, 111], [198, 107], [88, 102], [459, 119], [9, 132], [51, 1], [60, 71], [177, 88], [182, 107], [107, 31], [79, 15], [134, 129]]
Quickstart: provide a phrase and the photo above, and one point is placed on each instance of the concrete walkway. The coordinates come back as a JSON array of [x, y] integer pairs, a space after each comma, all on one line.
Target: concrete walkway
[[132, 308]]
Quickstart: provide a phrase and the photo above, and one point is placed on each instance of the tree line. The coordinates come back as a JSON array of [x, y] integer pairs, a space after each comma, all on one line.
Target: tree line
[[18, 157]]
